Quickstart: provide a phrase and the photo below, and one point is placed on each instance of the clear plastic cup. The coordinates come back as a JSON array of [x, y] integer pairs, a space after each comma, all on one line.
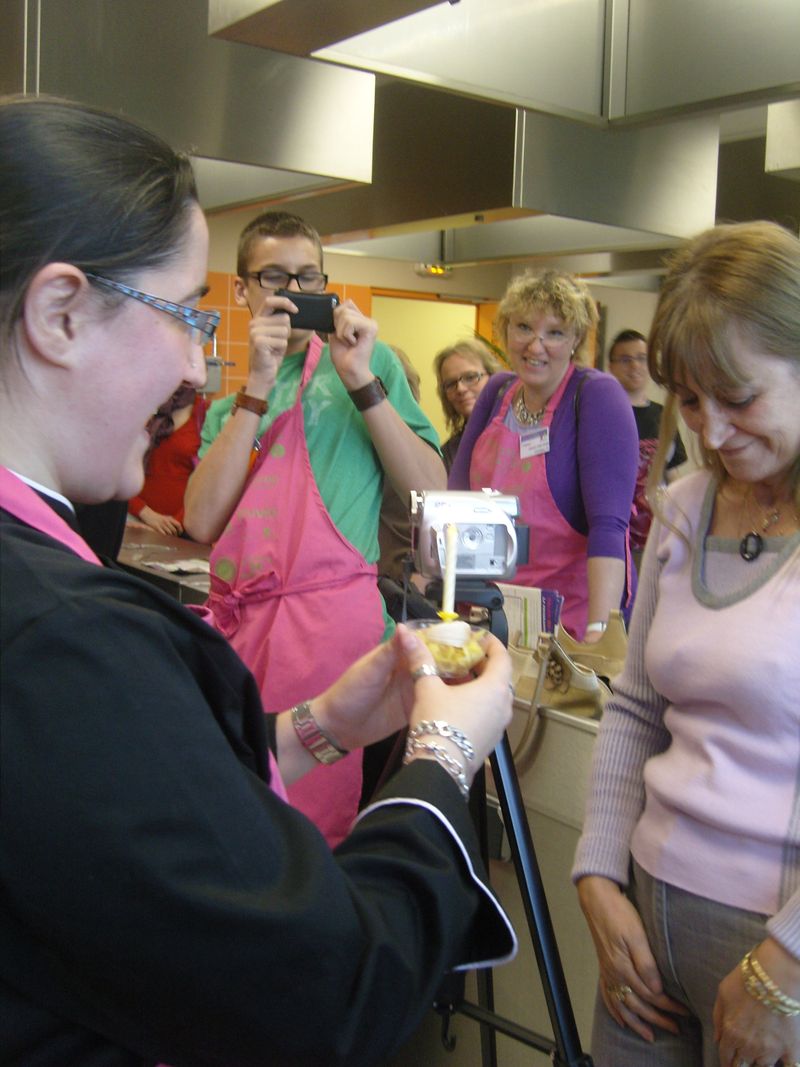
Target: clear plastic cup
[[455, 646]]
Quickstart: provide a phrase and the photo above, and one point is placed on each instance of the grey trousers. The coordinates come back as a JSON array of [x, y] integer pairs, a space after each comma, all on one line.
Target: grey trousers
[[696, 943]]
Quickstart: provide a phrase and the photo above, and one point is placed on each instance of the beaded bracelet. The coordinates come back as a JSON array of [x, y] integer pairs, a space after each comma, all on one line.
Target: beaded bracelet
[[762, 988], [453, 766], [444, 729]]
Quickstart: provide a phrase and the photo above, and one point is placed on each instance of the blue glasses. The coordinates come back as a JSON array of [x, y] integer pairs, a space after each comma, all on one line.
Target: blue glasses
[[201, 323]]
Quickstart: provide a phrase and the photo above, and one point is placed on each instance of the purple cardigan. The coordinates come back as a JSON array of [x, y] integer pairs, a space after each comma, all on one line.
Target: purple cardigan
[[593, 459]]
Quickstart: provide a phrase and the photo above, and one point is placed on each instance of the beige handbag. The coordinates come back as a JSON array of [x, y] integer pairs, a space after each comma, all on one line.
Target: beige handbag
[[606, 656], [548, 678]]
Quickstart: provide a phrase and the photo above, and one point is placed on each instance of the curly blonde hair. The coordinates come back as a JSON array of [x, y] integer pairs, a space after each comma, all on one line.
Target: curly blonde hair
[[553, 292]]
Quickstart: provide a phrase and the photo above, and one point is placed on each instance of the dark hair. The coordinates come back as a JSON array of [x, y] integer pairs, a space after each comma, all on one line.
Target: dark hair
[[623, 336], [83, 186], [273, 224]]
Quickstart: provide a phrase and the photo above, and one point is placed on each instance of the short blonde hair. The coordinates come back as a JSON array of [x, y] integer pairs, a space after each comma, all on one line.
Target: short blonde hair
[[743, 276], [550, 291], [472, 349]]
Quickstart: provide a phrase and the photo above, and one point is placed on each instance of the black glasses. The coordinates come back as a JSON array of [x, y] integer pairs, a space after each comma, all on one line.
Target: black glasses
[[470, 379], [310, 281], [628, 361], [202, 324]]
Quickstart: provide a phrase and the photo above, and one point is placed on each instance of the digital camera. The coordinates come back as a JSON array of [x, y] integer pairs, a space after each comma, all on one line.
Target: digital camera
[[314, 310], [488, 543]]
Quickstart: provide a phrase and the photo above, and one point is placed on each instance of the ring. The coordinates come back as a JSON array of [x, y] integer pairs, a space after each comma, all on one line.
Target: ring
[[621, 991], [425, 671]]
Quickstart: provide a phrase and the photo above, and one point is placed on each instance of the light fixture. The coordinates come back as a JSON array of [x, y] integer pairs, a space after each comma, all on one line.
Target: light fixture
[[432, 270]]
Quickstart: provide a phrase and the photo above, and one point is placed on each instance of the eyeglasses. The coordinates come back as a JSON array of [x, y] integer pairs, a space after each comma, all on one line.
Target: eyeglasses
[[523, 334], [310, 281], [628, 361], [202, 324], [470, 379]]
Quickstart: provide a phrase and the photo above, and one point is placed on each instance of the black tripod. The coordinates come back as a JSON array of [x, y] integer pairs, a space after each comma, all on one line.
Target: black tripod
[[565, 1048]]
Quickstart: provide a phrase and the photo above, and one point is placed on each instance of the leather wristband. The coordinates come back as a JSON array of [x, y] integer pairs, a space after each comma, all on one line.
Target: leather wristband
[[368, 395], [249, 403], [313, 737]]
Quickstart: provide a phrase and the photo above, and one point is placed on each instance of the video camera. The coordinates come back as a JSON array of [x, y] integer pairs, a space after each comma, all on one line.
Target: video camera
[[490, 544]]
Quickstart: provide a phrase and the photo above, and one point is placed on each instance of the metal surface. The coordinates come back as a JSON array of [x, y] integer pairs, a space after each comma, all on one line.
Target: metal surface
[[661, 179], [783, 140], [531, 53], [153, 60], [300, 27], [689, 54]]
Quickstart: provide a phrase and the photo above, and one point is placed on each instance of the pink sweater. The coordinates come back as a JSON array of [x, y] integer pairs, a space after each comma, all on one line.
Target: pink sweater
[[697, 762]]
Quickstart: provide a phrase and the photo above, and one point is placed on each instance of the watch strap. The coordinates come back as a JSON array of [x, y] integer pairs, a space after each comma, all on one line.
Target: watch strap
[[368, 395], [313, 737], [249, 403]]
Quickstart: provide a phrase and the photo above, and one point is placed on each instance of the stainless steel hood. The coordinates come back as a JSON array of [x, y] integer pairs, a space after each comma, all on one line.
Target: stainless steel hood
[[266, 116]]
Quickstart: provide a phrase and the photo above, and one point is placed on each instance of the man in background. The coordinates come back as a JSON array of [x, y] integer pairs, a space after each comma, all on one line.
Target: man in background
[[627, 361]]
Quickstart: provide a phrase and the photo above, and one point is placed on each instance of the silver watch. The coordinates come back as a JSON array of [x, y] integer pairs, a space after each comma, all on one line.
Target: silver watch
[[312, 736]]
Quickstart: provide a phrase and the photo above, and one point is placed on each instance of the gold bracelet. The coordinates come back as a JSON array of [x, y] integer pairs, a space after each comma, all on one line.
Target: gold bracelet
[[762, 988]]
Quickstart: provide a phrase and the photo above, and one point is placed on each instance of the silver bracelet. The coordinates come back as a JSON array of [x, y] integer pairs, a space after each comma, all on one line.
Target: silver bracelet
[[444, 729], [313, 737], [453, 766]]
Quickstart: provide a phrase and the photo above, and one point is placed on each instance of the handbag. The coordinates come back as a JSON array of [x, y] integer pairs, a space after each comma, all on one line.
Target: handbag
[[605, 657]]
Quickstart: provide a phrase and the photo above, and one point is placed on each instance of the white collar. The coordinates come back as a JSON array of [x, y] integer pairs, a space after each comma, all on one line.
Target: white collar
[[43, 489]]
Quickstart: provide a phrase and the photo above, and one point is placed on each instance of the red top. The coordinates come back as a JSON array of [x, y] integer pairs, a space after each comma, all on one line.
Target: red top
[[169, 466]]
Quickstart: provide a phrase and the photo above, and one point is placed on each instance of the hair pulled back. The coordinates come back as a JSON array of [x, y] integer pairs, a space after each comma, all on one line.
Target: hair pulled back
[[83, 186]]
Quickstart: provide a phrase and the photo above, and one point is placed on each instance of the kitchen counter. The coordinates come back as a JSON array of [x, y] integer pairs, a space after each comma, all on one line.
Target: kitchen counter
[[147, 553]]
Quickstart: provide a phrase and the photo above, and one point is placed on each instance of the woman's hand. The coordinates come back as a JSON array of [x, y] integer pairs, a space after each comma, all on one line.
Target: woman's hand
[[377, 696], [746, 1030], [630, 984], [164, 524], [480, 708]]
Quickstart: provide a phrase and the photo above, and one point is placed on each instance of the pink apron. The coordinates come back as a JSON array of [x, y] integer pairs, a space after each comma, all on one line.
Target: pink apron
[[17, 498], [296, 600], [557, 558]]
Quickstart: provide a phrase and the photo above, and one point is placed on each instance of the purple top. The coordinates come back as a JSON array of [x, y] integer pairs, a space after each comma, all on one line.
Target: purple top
[[593, 458]]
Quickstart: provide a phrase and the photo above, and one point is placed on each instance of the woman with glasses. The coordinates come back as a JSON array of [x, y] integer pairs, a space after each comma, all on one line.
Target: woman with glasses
[[462, 370], [160, 902], [561, 437]]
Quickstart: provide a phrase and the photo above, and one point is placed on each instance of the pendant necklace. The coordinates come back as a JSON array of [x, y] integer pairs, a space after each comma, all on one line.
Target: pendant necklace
[[524, 415], [752, 544]]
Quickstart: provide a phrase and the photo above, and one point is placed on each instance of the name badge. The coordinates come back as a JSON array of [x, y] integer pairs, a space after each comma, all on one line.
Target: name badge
[[534, 442]]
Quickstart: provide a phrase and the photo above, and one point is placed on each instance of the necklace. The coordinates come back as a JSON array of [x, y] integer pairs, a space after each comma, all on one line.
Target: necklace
[[752, 544], [524, 415]]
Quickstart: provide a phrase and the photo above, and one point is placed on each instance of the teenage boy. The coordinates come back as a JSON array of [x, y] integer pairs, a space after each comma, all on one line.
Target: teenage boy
[[289, 486]]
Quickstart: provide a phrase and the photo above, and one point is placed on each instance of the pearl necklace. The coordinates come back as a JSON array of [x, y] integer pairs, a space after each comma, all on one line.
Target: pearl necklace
[[524, 415]]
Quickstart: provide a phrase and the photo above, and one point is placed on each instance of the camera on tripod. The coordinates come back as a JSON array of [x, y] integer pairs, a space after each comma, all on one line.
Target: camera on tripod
[[489, 542]]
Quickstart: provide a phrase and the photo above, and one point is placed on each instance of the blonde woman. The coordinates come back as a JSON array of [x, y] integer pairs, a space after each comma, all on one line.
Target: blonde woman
[[562, 438], [462, 370]]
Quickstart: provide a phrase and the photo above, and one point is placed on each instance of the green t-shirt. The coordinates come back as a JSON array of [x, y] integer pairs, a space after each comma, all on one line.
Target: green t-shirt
[[346, 467]]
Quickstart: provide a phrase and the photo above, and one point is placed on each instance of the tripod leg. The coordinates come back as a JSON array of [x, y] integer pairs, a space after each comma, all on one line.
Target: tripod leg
[[568, 1047], [484, 977]]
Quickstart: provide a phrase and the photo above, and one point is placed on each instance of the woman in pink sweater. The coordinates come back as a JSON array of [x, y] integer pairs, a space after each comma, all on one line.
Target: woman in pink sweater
[[688, 869]]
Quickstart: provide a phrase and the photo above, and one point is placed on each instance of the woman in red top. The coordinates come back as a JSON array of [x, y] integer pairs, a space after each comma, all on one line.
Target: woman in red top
[[175, 431]]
